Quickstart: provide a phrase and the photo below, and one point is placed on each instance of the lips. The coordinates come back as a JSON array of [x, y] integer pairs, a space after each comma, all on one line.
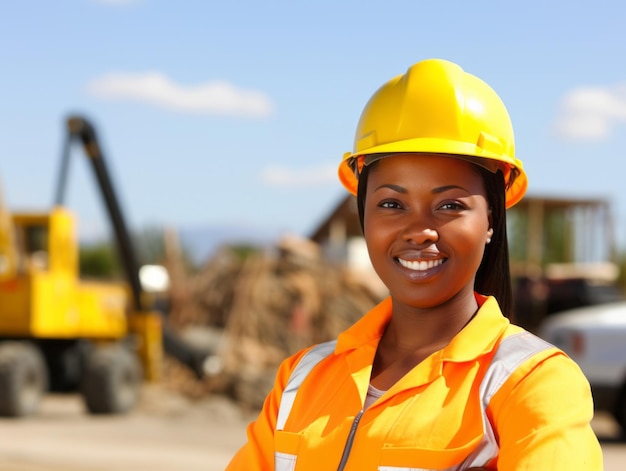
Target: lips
[[420, 265]]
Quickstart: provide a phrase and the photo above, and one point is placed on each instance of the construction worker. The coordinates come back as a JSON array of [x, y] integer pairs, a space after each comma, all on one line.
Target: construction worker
[[435, 377]]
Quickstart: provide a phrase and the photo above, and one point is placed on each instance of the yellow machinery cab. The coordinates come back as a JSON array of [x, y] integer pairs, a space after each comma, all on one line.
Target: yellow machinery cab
[[46, 298]]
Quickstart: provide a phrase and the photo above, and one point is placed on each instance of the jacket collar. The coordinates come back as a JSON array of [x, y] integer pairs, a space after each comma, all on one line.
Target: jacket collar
[[478, 337]]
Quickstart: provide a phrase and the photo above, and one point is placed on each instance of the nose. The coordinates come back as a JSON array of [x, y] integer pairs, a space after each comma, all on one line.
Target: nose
[[420, 232]]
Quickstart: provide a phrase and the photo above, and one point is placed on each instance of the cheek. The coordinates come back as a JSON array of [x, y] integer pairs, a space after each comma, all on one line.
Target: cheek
[[467, 235], [374, 240], [378, 239], [372, 229], [473, 238]]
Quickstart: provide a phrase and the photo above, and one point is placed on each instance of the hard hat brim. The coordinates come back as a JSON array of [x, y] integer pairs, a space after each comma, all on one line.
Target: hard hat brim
[[516, 188]]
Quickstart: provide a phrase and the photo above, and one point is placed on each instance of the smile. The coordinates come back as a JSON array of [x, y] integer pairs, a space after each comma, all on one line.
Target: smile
[[422, 265]]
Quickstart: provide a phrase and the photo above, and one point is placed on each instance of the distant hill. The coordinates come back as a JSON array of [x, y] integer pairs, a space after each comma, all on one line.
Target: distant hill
[[201, 241]]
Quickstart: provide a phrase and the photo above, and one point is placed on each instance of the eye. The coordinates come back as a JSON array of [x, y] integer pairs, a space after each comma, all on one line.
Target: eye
[[452, 205], [390, 204]]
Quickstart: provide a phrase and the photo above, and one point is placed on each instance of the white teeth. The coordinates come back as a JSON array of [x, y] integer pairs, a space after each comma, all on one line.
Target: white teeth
[[420, 265]]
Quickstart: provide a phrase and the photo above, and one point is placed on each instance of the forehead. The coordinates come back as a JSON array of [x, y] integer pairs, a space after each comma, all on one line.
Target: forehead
[[427, 164]]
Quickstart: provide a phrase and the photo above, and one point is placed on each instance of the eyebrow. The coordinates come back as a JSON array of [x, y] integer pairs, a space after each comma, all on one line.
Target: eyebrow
[[441, 189], [398, 188], [401, 189]]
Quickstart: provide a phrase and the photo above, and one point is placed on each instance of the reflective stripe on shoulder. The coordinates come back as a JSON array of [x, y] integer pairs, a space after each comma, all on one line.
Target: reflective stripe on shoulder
[[300, 372], [513, 350]]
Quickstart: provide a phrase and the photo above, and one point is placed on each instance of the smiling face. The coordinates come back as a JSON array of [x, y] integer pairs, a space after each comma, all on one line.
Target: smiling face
[[426, 223]]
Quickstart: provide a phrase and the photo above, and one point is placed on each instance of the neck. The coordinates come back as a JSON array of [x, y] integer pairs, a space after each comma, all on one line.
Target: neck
[[416, 328], [413, 335]]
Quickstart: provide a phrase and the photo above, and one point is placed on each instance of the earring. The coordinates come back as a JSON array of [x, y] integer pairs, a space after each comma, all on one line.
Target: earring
[[490, 232]]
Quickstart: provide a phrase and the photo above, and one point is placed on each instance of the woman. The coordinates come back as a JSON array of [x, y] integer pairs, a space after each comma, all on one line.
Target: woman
[[435, 377]]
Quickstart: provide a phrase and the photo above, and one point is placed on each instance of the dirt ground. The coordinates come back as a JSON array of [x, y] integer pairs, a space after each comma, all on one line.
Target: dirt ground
[[166, 432]]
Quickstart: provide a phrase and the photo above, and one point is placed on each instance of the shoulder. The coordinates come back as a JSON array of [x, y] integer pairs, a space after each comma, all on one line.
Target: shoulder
[[543, 378], [534, 353], [542, 414]]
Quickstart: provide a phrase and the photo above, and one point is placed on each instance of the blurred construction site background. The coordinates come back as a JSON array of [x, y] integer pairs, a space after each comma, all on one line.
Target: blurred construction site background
[[101, 306]]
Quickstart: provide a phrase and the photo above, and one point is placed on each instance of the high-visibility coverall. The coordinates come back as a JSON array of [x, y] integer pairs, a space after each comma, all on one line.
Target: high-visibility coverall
[[432, 419]]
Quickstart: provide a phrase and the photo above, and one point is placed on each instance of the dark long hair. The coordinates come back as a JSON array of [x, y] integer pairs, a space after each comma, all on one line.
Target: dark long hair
[[493, 277]]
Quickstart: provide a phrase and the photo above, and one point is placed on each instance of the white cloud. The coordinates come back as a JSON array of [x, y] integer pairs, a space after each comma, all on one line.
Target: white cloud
[[219, 97], [591, 112], [305, 177]]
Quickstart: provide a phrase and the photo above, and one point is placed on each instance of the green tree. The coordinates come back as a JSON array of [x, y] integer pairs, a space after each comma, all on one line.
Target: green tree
[[99, 260]]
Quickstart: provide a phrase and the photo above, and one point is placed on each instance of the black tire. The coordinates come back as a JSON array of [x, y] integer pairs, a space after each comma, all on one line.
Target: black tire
[[111, 380], [64, 359], [23, 378]]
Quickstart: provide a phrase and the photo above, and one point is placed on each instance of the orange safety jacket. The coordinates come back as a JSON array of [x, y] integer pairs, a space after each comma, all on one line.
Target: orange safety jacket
[[495, 396]]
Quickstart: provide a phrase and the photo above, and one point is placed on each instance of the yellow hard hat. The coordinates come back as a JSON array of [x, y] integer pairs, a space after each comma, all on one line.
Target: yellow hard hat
[[437, 108]]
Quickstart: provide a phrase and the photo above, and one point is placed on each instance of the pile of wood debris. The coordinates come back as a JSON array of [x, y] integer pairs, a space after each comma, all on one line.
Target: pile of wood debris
[[257, 310]]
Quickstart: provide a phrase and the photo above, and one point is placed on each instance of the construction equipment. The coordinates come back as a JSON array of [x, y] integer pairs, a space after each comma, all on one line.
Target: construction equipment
[[62, 333]]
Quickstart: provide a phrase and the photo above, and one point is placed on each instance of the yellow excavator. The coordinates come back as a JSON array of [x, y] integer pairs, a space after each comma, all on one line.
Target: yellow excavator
[[59, 332]]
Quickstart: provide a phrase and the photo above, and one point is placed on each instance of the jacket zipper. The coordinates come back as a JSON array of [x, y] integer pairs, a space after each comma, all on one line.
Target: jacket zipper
[[349, 441]]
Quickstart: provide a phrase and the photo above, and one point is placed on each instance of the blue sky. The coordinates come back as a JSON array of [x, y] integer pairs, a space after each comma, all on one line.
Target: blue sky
[[237, 113]]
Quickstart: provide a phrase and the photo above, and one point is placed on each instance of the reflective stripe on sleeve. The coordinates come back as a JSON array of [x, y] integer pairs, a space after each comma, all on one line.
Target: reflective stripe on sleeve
[[300, 372]]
